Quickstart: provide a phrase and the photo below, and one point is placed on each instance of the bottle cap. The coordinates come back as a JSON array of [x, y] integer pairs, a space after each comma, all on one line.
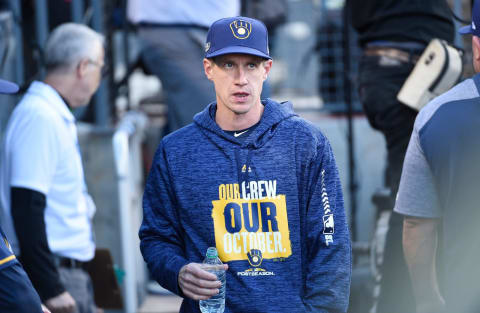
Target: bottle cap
[[212, 252]]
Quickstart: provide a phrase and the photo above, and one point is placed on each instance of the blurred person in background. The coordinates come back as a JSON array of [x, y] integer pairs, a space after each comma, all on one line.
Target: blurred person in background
[[393, 34], [7, 62], [172, 36], [42, 187], [439, 196]]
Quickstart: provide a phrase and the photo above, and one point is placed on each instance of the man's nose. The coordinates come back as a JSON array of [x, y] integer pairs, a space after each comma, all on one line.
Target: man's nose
[[241, 77]]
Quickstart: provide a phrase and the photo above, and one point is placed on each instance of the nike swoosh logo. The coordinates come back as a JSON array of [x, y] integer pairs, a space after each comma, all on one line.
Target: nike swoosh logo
[[240, 133]]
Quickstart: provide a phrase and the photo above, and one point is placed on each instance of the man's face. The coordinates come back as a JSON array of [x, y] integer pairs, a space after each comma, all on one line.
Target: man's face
[[89, 72], [96, 67], [238, 80]]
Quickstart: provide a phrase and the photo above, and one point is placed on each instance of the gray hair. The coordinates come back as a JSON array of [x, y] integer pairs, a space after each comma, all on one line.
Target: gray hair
[[68, 44]]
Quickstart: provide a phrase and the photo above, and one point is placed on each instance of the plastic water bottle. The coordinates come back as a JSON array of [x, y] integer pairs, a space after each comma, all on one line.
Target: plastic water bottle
[[212, 264]]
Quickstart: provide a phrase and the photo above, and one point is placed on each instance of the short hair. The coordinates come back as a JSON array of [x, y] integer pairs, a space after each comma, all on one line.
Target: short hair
[[68, 44]]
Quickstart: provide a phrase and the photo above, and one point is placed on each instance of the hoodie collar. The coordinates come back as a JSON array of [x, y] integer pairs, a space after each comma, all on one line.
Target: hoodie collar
[[273, 114]]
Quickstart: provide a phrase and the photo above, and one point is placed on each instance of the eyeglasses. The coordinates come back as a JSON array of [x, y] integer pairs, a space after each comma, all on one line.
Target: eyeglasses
[[103, 67]]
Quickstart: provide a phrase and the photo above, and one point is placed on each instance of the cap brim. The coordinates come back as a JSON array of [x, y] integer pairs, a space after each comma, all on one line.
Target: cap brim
[[466, 30], [237, 49], [8, 87]]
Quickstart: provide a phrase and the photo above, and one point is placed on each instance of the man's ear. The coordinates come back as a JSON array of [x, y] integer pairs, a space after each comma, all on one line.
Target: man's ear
[[82, 68], [208, 67], [476, 48], [476, 53], [267, 65]]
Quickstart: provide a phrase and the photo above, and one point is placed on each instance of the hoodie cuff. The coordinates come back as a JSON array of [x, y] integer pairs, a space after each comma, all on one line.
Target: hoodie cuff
[[172, 279]]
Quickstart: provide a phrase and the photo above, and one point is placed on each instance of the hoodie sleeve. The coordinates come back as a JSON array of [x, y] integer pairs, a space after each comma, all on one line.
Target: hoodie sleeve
[[329, 249], [161, 242]]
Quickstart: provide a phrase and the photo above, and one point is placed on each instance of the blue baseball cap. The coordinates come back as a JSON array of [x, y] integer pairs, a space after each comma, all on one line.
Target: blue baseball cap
[[237, 35], [474, 27], [8, 87]]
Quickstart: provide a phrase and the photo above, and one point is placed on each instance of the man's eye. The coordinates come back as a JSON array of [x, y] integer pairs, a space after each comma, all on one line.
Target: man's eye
[[252, 65], [228, 65]]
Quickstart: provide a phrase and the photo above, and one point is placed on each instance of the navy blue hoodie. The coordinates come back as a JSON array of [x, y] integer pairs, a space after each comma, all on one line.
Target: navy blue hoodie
[[272, 205]]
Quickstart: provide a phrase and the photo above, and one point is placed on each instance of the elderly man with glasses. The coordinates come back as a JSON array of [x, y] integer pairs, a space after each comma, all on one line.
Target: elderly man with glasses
[[42, 187]]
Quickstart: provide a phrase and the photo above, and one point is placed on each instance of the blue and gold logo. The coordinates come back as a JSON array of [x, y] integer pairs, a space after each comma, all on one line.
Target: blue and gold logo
[[241, 29], [255, 257]]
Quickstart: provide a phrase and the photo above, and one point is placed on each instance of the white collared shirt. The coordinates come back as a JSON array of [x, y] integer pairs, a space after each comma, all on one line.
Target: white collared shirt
[[40, 152]]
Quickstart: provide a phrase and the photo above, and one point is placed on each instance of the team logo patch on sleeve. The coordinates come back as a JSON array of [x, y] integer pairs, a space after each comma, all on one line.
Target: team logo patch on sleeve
[[328, 224], [328, 221]]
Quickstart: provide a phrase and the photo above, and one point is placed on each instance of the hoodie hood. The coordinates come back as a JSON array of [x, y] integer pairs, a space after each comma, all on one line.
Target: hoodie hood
[[273, 114]]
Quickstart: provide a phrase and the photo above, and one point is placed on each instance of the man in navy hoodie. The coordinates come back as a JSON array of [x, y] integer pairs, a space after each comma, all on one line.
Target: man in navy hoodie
[[257, 182]]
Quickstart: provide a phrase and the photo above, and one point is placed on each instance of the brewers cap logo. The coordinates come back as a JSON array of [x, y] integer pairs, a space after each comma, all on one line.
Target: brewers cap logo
[[207, 46], [241, 29]]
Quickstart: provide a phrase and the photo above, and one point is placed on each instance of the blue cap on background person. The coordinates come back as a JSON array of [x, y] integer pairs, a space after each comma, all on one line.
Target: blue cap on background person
[[237, 35], [7, 87], [474, 27]]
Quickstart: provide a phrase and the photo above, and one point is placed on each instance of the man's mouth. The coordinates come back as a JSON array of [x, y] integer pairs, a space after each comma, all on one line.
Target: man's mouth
[[240, 95]]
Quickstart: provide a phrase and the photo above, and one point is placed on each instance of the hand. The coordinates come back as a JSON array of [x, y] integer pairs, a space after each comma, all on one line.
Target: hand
[[63, 303], [198, 284], [45, 310]]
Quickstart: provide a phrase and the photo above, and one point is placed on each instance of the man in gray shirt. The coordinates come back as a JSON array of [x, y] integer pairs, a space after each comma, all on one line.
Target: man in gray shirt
[[439, 195]]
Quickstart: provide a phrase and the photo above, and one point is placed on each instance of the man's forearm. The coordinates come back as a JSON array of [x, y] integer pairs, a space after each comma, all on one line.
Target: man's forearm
[[420, 247], [28, 208]]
